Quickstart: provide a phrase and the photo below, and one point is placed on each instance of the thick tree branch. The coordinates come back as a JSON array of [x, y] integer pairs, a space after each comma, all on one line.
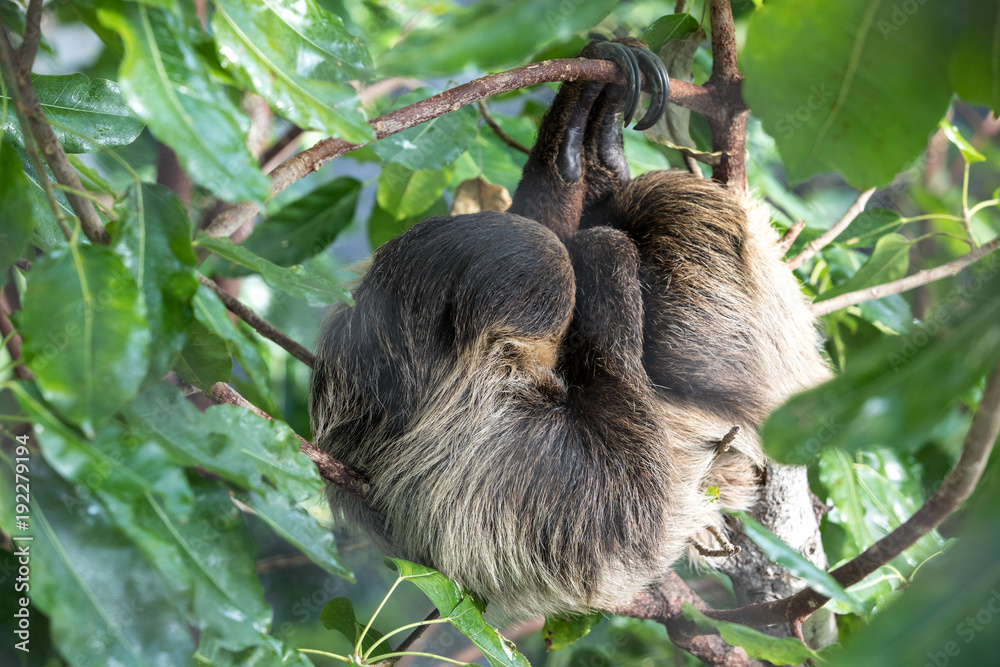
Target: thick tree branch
[[301, 165], [827, 237], [662, 601], [262, 326], [329, 468], [904, 284], [727, 118], [29, 111], [955, 489]]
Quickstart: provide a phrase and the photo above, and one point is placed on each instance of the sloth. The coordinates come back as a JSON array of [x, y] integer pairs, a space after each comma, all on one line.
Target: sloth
[[554, 403]]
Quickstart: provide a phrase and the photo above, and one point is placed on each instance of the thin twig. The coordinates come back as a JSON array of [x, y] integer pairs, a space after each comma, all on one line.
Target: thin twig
[[410, 640], [792, 233], [827, 237], [904, 284], [302, 164], [29, 111], [955, 489], [329, 468], [692, 164], [262, 326], [497, 130]]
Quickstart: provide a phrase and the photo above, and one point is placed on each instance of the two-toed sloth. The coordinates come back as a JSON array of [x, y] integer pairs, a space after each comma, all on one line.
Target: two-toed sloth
[[537, 397]]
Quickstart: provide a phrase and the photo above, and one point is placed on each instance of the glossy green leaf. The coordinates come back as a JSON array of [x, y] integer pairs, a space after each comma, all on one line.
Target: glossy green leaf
[[18, 222], [461, 610], [104, 603], [338, 614], [895, 391], [873, 493], [152, 234], [945, 616], [563, 631], [778, 651], [210, 312], [168, 83], [973, 68], [474, 38], [665, 28], [405, 193], [863, 102], [267, 650], [296, 526], [889, 261], [306, 226], [48, 235], [383, 226], [967, 150], [204, 359], [431, 145], [296, 281], [87, 116], [870, 225], [782, 554], [86, 337], [890, 314], [300, 58]]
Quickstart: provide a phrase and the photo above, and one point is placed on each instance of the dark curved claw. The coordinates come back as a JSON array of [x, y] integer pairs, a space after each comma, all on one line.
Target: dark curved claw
[[659, 87], [623, 56]]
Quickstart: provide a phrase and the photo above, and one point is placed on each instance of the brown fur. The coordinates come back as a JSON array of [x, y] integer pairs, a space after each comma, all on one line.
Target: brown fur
[[538, 411]]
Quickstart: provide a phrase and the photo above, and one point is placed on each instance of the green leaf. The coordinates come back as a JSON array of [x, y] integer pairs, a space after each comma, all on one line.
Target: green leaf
[[104, 603], [152, 234], [405, 193], [462, 610], [431, 145], [891, 314], [666, 28], [300, 58], [528, 25], [968, 151], [383, 226], [308, 225], [889, 261], [168, 83], [338, 614], [973, 67], [782, 554], [87, 116], [210, 312], [267, 650], [295, 525], [296, 281], [204, 359], [564, 631], [86, 337], [874, 84], [870, 225], [18, 213], [49, 235], [894, 392], [783, 651]]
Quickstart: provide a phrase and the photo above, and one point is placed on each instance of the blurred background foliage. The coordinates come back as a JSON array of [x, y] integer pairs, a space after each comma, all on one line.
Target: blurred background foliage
[[168, 536]]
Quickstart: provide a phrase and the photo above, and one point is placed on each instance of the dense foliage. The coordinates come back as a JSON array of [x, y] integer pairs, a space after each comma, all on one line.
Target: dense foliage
[[165, 535]]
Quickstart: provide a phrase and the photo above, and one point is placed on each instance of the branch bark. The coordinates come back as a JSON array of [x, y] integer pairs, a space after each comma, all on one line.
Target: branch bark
[[329, 468], [727, 118], [301, 165], [262, 326]]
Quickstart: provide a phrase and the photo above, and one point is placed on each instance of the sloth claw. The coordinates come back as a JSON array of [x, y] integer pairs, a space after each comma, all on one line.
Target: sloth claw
[[659, 87], [627, 62]]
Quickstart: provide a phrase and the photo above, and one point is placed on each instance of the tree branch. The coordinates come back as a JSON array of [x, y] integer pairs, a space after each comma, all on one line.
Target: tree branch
[[302, 164], [904, 284], [955, 489], [262, 326], [29, 111], [788, 239], [329, 468], [662, 601], [829, 235], [727, 119]]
